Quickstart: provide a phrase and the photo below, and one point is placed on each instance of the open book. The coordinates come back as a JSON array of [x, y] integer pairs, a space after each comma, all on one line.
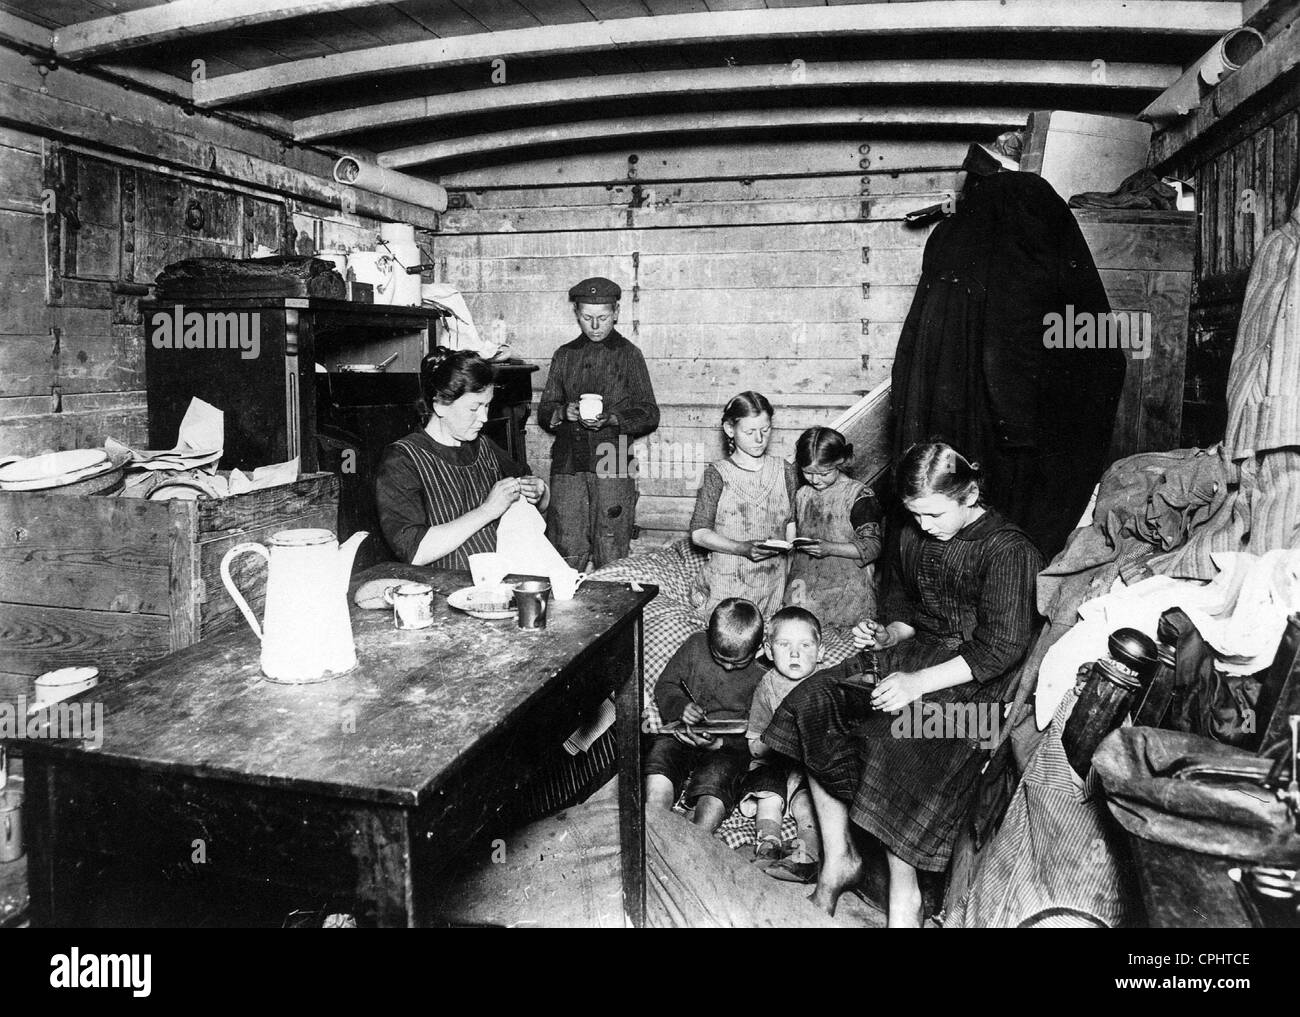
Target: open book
[[712, 727], [784, 546]]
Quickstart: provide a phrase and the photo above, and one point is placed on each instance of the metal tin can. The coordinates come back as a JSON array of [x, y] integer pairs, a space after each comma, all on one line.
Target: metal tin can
[[11, 826], [1102, 706]]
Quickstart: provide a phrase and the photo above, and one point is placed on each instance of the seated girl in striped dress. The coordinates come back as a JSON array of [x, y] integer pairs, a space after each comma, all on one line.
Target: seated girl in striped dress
[[958, 619]]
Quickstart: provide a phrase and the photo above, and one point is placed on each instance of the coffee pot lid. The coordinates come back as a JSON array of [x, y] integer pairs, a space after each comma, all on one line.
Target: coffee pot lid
[[302, 538]]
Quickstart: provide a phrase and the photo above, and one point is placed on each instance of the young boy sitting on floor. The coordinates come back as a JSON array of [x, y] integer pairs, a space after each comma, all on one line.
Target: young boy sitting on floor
[[712, 676], [794, 640]]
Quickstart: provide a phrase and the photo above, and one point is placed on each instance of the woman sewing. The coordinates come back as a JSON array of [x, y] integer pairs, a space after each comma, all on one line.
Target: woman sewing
[[958, 619], [441, 490]]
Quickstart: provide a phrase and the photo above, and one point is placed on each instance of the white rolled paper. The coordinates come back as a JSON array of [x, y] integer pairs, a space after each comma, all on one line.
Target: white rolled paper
[[368, 176], [1224, 57], [1228, 54]]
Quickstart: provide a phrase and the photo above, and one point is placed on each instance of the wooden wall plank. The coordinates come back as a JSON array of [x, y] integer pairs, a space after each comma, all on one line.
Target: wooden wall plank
[[1286, 163], [727, 270], [595, 243], [550, 321], [22, 242], [1263, 217], [715, 380], [107, 556], [1243, 233], [815, 340], [13, 686], [22, 141], [1165, 367], [694, 191], [1226, 203], [32, 365], [34, 640], [32, 434], [658, 512], [662, 214], [745, 160], [1134, 246]]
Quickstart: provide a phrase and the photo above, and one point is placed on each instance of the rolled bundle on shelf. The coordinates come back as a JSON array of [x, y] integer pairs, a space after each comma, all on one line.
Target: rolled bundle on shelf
[[1224, 57], [368, 176], [1228, 54]]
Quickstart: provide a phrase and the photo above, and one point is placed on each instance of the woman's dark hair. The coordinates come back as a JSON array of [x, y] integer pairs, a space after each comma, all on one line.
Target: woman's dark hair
[[822, 446], [446, 375], [747, 404], [933, 467]]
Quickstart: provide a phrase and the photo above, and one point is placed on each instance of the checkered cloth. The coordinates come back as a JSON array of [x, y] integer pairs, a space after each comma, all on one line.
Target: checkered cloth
[[737, 831], [669, 620]]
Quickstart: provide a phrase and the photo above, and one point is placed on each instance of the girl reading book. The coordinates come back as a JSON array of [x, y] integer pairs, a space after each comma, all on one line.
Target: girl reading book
[[834, 575], [744, 499]]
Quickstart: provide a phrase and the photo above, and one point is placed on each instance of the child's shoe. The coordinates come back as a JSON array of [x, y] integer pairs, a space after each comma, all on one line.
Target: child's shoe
[[796, 865], [769, 849], [787, 870]]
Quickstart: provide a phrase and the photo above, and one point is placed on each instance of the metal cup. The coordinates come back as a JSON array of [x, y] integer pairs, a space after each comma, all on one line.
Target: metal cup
[[531, 600], [590, 405], [412, 605]]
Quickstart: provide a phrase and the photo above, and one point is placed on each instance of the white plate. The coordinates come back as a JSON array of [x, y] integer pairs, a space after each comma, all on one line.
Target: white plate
[[180, 490], [54, 469], [53, 464], [463, 600]]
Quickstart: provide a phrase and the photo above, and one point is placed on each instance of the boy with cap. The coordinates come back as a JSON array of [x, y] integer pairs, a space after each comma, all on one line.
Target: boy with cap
[[593, 485]]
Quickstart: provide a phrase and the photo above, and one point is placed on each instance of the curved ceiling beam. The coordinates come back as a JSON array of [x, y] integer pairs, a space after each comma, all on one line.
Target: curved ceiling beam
[[630, 128], [1174, 18], [167, 22], [709, 80]]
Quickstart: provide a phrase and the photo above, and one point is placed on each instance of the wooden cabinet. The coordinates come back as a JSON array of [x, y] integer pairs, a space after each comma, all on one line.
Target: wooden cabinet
[[277, 404], [270, 399]]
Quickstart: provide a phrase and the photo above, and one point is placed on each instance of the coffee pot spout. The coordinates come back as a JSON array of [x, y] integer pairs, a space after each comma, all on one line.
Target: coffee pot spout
[[347, 555]]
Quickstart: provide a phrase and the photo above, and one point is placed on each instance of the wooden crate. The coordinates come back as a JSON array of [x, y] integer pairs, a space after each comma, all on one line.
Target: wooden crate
[[1146, 260], [1078, 152], [113, 582]]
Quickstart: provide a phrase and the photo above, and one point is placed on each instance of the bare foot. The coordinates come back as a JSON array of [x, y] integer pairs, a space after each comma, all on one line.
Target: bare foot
[[837, 875], [905, 910]]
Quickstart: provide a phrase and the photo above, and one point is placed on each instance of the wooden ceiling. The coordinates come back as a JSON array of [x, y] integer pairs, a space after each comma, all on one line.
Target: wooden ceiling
[[431, 86]]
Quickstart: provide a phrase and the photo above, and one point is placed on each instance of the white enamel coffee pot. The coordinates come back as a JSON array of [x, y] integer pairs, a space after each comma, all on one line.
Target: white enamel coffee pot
[[306, 631]]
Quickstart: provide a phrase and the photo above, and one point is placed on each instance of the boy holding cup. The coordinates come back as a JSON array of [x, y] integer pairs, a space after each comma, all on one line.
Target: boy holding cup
[[598, 399]]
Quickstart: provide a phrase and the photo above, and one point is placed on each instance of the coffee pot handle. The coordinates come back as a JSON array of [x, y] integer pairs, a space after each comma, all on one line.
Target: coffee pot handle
[[233, 590]]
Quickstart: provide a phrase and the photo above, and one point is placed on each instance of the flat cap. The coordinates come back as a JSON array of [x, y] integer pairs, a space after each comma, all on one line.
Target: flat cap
[[597, 290]]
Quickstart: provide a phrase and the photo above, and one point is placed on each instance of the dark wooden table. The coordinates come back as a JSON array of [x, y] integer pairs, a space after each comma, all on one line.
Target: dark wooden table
[[218, 797]]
